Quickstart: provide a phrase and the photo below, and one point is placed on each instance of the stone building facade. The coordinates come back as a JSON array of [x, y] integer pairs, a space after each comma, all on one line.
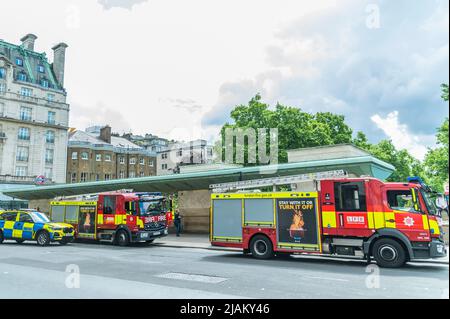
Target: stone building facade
[[96, 155], [34, 114]]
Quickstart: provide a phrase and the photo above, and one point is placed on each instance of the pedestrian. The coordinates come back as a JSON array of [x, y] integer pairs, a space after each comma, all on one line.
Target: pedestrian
[[177, 222], [441, 204]]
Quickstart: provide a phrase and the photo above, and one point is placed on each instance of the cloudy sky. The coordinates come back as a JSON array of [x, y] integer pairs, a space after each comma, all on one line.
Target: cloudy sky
[[176, 68]]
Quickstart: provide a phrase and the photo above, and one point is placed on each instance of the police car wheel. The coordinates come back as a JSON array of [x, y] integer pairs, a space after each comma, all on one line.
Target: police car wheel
[[261, 247], [122, 238], [63, 242], [389, 253], [1, 237], [19, 241], [43, 238]]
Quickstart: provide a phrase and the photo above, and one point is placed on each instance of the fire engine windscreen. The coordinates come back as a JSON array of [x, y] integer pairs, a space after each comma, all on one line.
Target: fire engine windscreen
[[151, 207], [430, 201]]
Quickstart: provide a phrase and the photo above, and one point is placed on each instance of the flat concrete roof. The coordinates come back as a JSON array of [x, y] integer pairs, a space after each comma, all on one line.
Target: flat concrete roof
[[361, 165]]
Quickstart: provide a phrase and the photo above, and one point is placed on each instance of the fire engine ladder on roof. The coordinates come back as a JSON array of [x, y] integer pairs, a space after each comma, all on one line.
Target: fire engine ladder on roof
[[275, 181]]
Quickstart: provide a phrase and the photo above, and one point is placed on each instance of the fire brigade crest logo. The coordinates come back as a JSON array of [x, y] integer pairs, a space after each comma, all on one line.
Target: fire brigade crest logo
[[408, 221]]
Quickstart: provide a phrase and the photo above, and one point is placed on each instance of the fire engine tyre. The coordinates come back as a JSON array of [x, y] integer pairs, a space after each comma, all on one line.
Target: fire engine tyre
[[43, 238], [389, 253], [122, 238], [261, 247]]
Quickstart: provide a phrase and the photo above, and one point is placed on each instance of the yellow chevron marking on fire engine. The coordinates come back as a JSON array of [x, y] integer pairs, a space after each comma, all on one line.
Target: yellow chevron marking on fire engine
[[435, 227], [370, 221], [378, 218], [100, 219], [140, 222], [329, 218], [387, 218], [425, 222]]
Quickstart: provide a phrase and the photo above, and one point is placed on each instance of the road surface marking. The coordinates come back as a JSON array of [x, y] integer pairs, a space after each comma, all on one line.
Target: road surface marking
[[325, 278], [193, 277]]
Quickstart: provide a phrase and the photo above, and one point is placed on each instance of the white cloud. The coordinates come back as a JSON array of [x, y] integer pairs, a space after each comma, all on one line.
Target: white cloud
[[401, 135]]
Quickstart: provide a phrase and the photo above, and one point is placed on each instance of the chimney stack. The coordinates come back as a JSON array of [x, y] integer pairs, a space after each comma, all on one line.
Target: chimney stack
[[28, 41], [59, 60], [105, 134]]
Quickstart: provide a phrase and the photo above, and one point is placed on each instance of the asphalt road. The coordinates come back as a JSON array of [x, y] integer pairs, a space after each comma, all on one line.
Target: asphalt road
[[106, 271]]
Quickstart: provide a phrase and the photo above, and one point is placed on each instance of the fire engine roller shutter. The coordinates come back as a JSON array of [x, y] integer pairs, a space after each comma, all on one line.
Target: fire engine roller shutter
[[258, 211], [58, 214], [227, 220]]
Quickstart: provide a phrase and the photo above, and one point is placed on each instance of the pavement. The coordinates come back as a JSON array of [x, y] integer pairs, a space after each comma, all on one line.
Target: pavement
[[166, 271], [202, 241]]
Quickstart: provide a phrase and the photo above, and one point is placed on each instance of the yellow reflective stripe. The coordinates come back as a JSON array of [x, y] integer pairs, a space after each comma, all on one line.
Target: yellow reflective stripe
[[425, 222], [416, 206], [74, 203], [100, 219], [329, 218], [370, 221], [265, 195], [435, 226], [378, 218], [387, 217]]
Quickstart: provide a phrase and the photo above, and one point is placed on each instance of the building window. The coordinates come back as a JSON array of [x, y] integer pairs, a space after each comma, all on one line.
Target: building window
[[50, 137], [41, 68], [164, 155], [50, 97], [132, 174], [26, 92], [122, 160], [107, 177], [142, 161], [98, 157], [180, 153], [22, 76], [19, 62], [49, 156], [121, 174], [2, 87], [24, 133], [44, 83], [84, 156], [48, 173], [21, 171], [141, 174], [83, 177], [73, 178], [164, 166], [2, 73], [150, 163], [74, 155], [51, 116], [107, 157], [22, 154], [132, 161], [25, 113]]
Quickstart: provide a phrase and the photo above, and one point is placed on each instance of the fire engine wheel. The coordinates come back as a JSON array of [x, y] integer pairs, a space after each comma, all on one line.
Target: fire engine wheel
[[261, 247], [122, 238], [43, 238], [389, 253]]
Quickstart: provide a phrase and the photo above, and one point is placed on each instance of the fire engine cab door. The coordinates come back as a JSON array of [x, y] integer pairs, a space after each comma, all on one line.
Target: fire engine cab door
[[351, 208], [131, 211], [405, 214]]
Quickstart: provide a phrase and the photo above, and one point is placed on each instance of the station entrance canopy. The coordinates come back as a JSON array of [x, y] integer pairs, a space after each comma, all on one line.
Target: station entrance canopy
[[360, 165]]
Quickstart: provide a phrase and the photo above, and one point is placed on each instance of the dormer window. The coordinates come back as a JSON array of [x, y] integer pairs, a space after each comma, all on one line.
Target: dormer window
[[44, 83], [41, 68], [22, 76], [19, 62]]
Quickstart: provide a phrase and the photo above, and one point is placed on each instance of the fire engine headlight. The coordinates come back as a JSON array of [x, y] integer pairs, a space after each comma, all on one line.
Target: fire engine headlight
[[440, 249]]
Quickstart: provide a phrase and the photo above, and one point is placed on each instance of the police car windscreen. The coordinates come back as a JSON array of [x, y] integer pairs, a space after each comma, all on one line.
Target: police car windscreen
[[39, 217]]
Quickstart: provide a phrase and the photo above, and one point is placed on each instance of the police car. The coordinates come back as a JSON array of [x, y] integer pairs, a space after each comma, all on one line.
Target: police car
[[25, 225]]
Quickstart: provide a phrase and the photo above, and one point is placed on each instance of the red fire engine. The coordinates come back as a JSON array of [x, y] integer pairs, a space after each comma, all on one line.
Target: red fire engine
[[391, 222], [118, 217]]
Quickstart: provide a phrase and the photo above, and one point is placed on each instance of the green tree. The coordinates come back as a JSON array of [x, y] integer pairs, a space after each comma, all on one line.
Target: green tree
[[444, 95], [296, 129]]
